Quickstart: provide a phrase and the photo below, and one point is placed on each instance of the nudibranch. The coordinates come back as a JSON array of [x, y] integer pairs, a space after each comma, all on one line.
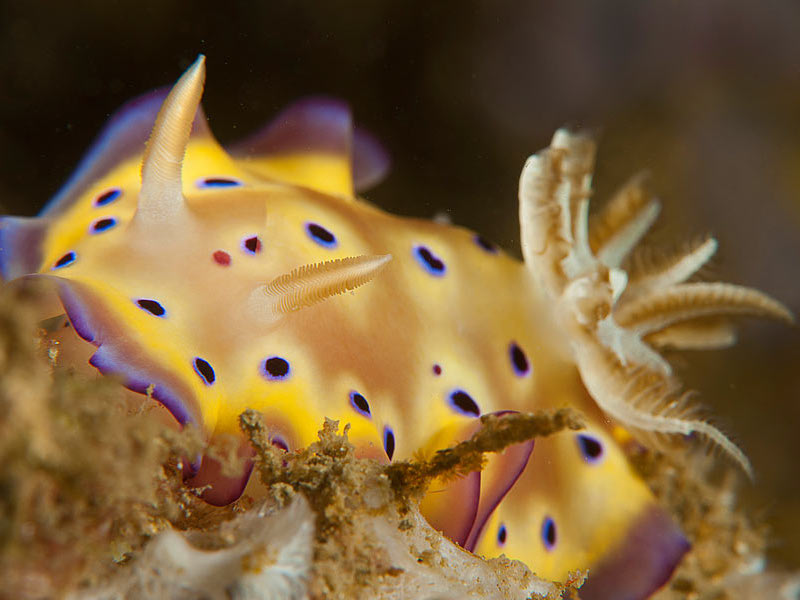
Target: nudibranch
[[253, 277]]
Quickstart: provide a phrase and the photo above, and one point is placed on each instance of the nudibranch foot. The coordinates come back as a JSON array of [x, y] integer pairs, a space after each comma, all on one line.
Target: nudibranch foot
[[617, 322], [642, 563], [461, 508]]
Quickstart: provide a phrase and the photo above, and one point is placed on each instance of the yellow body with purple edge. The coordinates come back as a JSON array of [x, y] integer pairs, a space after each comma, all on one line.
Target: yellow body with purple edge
[[448, 327]]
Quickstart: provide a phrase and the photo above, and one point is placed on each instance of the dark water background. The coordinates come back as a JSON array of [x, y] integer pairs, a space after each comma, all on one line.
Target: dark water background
[[706, 95]]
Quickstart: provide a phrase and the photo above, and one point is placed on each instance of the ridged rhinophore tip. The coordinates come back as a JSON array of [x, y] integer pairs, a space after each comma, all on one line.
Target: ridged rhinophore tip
[[161, 195], [310, 284]]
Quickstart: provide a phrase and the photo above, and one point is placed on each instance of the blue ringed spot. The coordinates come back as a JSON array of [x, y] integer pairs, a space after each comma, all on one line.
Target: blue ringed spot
[[151, 306], [591, 448], [388, 441], [519, 361], [65, 260], [276, 368], [217, 182], [204, 370], [107, 197], [429, 261], [485, 244], [251, 244], [549, 533], [502, 534], [462, 402], [102, 225], [320, 235], [360, 404]]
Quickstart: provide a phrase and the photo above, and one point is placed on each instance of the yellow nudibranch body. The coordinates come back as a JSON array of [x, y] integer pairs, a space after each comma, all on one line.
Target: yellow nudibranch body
[[221, 280]]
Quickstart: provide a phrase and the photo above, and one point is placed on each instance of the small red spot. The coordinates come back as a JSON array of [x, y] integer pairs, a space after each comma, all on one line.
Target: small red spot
[[222, 258], [437, 370]]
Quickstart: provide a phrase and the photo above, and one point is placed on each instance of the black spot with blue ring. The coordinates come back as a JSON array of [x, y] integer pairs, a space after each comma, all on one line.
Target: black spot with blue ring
[[217, 182], [549, 538], [388, 441], [590, 447], [66, 260], [276, 368], [429, 261], [251, 244], [360, 404], [205, 371], [462, 402], [519, 361], [152, 306], [108, 197], [502, 534], [320, 235], [102, 225]]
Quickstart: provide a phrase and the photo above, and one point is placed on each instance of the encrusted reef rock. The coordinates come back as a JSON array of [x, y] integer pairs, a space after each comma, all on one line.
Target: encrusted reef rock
[[728, 557], [266, 554], [93, 506], [370, 537], [270, 554]]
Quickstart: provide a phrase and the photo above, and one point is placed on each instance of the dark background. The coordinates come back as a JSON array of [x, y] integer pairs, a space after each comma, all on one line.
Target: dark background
[[705, 95]]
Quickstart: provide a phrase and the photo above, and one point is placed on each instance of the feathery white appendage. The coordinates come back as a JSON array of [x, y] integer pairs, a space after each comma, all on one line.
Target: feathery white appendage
[[575, 155], [628, 347], [618, 211], [664, 307], [580, 260], [615, 322], [673, 270], [694, 334], [653, 408], [577, 151], [540, 218], [161, 195], [308, 285], [622, 222], [618, 247]]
